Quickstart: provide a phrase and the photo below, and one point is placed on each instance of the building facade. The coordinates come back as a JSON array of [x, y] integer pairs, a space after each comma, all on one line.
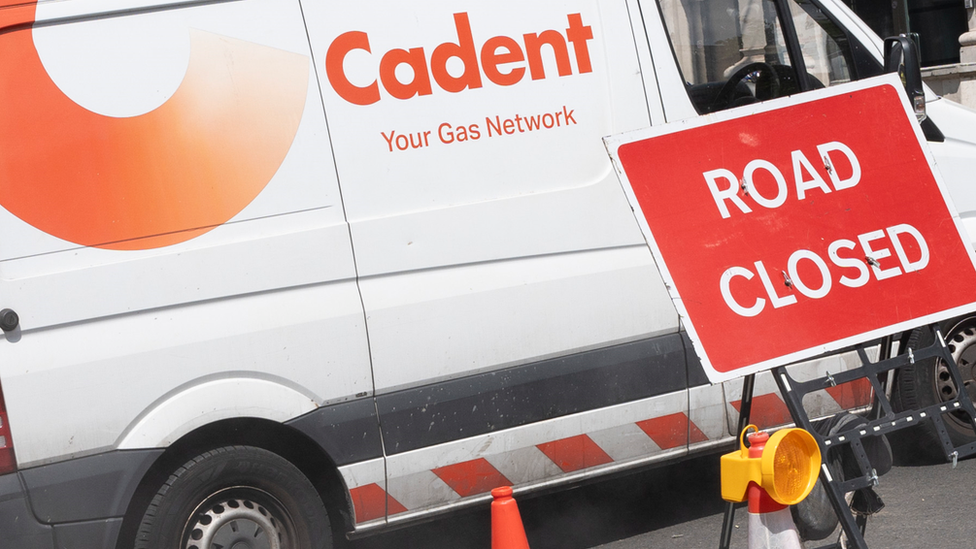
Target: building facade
[[946, 32]]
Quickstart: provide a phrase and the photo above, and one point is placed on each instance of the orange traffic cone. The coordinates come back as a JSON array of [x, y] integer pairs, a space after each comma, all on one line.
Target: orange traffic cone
[[506, 523], [770, 523]]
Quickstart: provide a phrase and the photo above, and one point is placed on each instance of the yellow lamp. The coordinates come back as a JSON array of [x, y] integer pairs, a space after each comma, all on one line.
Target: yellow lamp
[[786, 466]]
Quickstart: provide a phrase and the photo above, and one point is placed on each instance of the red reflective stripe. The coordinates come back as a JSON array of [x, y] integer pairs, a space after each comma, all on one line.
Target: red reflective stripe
[[575, 453], [672, 431], [853, 394], [369, 502], [570, 454], [8, 461], [767, 411], [393, 506], [695, 433], [472, 477]]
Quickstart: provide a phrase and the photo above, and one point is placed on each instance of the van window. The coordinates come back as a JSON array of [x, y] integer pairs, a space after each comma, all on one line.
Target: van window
[[823, 44], [736, 52]]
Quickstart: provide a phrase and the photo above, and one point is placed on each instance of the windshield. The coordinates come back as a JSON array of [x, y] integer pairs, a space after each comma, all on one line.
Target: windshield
[[737, 52]]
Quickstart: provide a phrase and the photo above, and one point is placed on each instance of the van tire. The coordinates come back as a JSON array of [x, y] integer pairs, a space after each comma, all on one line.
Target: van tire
[[229, 493], [927, 382]]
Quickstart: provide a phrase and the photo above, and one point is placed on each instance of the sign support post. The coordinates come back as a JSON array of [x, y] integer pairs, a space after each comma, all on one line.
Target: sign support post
[[745, 410]]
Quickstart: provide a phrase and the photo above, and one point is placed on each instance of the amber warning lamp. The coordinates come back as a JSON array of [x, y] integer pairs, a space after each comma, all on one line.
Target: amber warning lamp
[[785, 465]]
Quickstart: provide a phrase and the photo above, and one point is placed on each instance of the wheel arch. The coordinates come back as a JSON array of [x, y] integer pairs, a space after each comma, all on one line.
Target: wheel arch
[[289, 443], [209, 399]]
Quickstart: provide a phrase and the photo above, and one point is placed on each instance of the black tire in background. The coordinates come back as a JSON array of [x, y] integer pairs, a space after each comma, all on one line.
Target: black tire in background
[[928, 382], [236, 495]]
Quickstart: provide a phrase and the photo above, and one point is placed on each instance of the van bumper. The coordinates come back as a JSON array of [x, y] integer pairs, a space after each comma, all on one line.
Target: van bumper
[[18, 526], [20, 529], [74, 504]]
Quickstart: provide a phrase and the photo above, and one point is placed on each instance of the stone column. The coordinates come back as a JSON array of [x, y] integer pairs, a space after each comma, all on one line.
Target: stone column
[[967, 61], [967, 54]]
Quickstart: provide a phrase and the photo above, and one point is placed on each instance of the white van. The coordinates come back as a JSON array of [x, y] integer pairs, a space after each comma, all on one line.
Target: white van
[[276, 268]]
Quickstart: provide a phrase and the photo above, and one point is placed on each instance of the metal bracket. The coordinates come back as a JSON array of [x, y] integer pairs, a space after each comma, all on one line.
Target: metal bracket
[[882, 420]]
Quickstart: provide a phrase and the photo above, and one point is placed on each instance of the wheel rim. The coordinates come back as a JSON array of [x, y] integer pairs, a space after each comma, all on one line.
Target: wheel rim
[[238, 518], [962, 346]]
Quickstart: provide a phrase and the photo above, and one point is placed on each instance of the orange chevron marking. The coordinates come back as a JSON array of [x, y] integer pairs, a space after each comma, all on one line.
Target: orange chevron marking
[[852, 394], [574, 453], [371, 502], [672, 430], [767, 411], [472, 477], [155, 179]]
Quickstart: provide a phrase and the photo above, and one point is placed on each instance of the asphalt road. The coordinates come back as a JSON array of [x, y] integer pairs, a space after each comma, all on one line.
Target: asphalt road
[[678, 507]]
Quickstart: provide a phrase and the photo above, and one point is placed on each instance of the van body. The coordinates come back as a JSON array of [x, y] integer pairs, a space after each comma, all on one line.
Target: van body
[[378, 246]]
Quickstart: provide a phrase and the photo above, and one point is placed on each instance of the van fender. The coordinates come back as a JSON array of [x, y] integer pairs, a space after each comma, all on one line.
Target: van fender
[[206, 400]]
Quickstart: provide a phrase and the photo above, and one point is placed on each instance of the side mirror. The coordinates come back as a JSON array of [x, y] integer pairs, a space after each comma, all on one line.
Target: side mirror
[[901, 56]]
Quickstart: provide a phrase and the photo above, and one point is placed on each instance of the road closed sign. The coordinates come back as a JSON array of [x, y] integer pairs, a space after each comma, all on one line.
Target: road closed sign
[[798, 227]]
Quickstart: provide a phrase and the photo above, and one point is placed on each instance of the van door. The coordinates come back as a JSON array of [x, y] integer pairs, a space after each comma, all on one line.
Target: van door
[[519, 330]]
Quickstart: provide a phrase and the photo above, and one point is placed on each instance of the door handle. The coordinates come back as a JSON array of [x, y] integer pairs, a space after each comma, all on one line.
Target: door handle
[[9, 320]]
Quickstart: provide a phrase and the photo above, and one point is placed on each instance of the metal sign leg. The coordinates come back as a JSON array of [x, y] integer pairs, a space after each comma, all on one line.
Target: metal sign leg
[[745, 409]]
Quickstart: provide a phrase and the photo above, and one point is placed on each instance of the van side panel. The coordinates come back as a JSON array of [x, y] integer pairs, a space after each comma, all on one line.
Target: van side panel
[[204, 262], [17, 522], [502, 270], [348, 432], [95, 487], [502, 399], [452, 235]]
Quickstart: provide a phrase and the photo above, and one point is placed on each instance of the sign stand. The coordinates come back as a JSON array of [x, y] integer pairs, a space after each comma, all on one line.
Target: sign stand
[[801, 221], [885, 420]]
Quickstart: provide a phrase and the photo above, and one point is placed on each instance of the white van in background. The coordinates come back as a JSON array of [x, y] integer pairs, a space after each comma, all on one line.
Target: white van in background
[[283, 268]]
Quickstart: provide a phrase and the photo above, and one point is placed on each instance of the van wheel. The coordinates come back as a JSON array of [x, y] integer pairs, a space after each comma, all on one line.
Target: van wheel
[[928, 382], [236, 496]]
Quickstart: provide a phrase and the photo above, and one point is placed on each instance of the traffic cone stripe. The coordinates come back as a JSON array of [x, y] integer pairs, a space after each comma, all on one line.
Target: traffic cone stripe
[[575, 453], [672, 430], [774, 530], [761, 502], [770, 522], [473, 477], [536, 461]]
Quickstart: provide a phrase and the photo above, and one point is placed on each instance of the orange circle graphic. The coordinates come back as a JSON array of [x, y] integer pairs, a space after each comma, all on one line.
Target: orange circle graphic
[[151, 180]]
